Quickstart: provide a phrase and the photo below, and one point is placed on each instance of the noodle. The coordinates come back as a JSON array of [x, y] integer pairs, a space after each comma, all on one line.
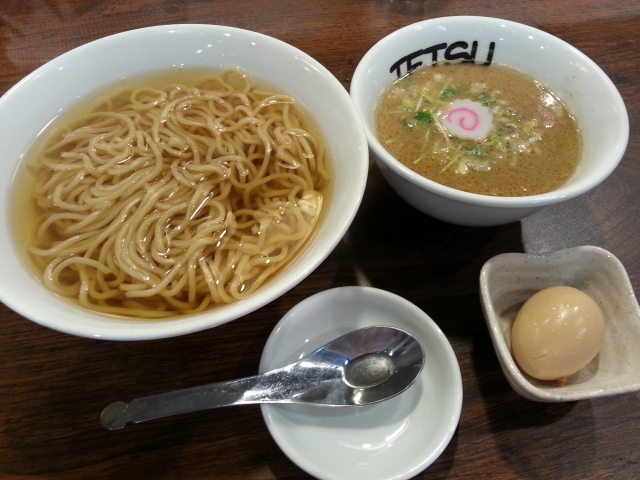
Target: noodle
[[170, 201]]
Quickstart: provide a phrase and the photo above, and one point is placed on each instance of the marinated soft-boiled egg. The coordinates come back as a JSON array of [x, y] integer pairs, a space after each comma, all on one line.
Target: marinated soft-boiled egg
[[557, 332]]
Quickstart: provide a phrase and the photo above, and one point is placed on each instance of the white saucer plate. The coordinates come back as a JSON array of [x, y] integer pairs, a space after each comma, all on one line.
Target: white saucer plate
[[395, 439]]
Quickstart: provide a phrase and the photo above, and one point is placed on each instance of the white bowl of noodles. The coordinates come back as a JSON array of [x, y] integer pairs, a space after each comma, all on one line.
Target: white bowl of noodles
[[228, 172], [481, 43]]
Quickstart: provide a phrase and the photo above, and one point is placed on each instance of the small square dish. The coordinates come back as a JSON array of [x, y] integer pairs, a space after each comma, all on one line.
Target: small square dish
[[508, 280]]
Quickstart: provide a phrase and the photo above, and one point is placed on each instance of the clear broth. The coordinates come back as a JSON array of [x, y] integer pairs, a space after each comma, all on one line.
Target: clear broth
[[26, 214]]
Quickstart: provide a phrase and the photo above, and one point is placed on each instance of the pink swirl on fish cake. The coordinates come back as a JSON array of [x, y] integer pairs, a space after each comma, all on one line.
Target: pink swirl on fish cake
[[467, 119], [461, 116]]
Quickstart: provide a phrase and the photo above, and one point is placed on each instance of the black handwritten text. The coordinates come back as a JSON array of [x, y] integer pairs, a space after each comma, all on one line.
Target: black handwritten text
[[456, 51]]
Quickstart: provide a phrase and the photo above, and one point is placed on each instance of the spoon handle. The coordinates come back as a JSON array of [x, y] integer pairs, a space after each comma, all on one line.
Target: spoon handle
[[292, 384], [118, 414]]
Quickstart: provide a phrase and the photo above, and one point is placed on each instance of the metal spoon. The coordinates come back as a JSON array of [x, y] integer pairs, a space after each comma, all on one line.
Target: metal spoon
[[362, 367]]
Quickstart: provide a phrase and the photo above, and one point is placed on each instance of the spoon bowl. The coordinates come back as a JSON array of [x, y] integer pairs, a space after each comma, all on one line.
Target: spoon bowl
[[364, 366]]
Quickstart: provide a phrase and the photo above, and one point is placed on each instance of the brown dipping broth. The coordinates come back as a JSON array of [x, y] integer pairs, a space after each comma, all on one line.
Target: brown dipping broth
[[534, 146]]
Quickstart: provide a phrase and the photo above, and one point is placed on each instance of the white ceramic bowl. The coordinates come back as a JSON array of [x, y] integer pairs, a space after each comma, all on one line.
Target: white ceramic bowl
[[508, 280], [32, 103], [580, 83], [394, 439]]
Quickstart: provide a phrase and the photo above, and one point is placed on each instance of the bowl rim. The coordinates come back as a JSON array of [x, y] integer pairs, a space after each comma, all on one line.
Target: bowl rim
[[109, 327], [540, 200]]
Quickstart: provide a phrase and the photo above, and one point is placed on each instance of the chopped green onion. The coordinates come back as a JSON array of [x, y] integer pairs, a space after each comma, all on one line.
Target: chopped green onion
[[424, 116], [477, 151], [506, 129], [449, 92], [408, 104]]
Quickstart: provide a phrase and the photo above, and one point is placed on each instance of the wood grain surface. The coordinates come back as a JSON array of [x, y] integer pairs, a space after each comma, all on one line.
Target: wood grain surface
[[53, 386]]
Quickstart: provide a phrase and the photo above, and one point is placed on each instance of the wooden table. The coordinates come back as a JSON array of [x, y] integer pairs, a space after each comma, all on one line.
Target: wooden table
[[53, 386]]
